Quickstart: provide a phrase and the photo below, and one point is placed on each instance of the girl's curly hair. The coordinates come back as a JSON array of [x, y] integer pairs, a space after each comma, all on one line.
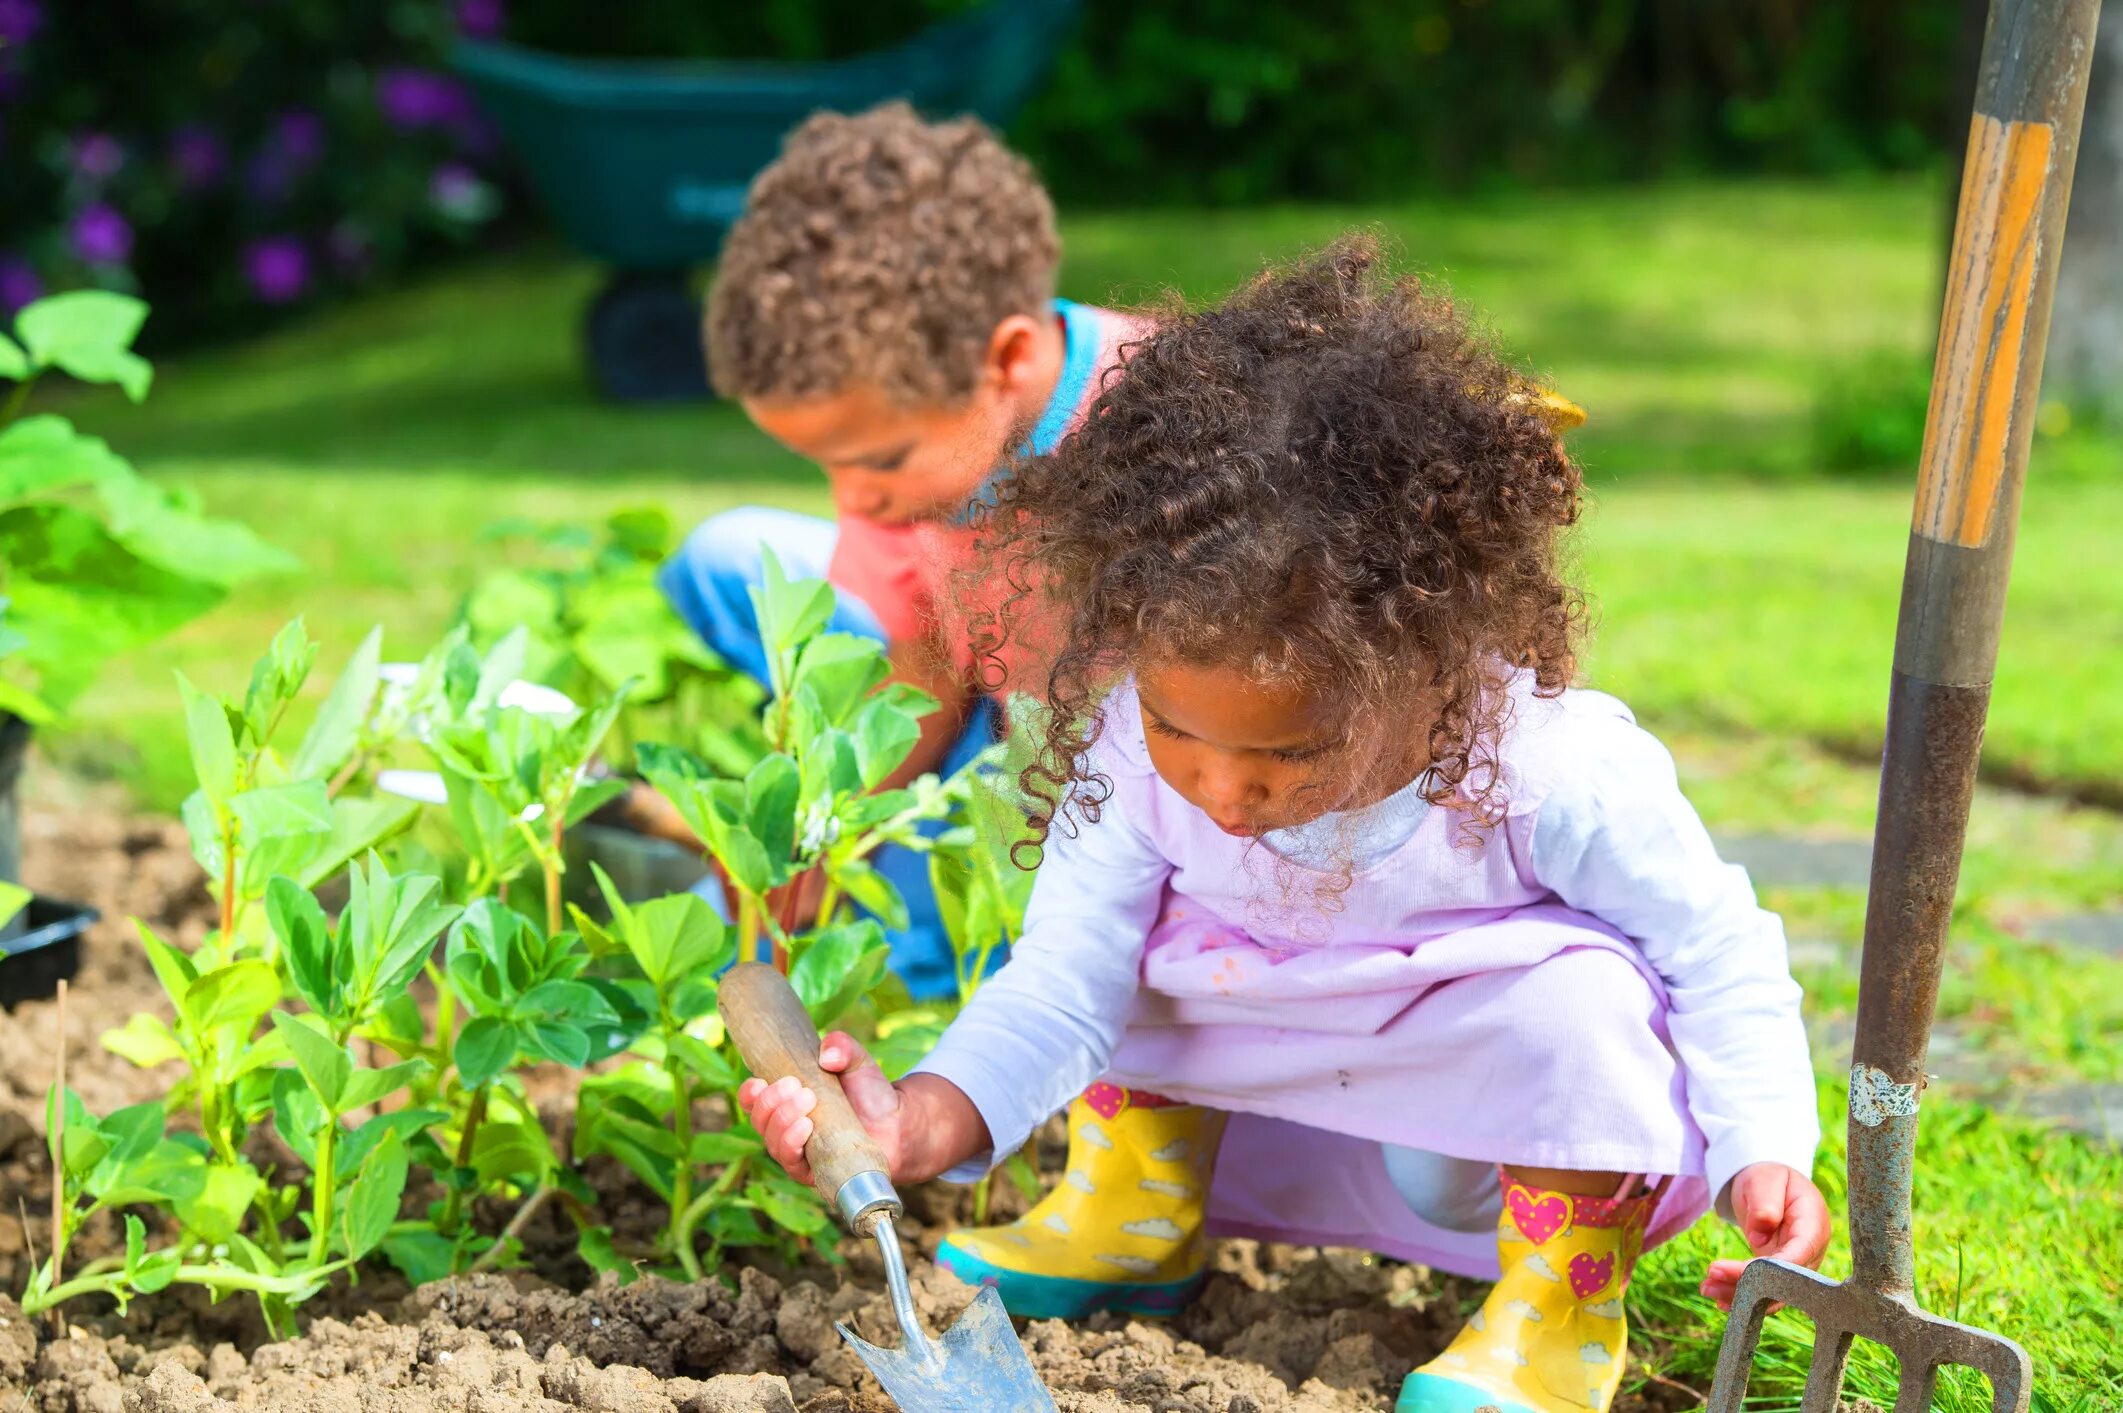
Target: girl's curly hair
[[1329, 478]]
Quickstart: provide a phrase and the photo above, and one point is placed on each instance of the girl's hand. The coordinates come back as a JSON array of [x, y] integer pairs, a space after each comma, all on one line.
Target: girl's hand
[[1782, 1214], [925, 1125]]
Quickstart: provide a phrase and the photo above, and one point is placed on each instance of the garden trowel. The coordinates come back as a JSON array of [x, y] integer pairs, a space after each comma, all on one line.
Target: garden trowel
[[978, 1366]]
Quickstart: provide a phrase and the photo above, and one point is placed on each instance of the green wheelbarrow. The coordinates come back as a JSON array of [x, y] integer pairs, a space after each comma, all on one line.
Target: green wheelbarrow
[[644, 165]]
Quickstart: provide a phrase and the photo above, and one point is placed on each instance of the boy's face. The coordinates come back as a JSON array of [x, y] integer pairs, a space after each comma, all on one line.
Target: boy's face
[[890, 464]]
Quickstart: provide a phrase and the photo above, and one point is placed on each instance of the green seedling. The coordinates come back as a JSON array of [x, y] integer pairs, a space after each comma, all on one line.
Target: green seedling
[[596, 620], [516, 777], [258, 813]]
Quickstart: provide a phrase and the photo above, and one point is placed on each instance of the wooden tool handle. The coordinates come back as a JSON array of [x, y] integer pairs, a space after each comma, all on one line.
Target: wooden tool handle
[[775, 1035]]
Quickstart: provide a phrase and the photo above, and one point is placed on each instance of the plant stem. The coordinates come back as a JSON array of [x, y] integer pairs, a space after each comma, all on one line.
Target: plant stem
[[682, 1129], [228, 879], [17, 400], [553, 865], [59, 1203], [491, 1257], [828, 903], [699, 1207], [747, 926], [323, 1178], [217, 1278], [981, 1190], [454, 1208]]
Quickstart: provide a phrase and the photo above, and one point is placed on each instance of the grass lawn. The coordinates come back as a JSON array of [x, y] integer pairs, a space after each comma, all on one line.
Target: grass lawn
[[1745, 607]]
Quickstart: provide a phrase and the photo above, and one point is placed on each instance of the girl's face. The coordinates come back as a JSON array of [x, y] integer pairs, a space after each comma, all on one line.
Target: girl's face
[[1251, 755]]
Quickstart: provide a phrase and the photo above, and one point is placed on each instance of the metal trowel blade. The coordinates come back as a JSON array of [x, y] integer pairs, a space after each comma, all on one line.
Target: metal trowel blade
[[981, 1367]]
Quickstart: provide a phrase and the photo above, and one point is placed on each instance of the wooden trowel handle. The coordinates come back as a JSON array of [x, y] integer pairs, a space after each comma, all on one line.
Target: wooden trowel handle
[[775, 1035]]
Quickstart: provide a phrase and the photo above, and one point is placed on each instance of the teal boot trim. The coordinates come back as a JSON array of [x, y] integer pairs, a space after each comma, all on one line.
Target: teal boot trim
[[1030, 1296], [1433, 1393]]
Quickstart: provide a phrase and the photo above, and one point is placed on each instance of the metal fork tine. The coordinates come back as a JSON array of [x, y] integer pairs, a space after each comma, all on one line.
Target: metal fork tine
[[1824, 1376], [1913, 1393]]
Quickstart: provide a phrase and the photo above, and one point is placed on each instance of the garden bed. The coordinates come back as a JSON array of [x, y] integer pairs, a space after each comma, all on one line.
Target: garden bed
[[1275, 1328]]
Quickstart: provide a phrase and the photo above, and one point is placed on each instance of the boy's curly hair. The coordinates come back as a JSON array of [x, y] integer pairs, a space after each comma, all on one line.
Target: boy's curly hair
[[881, 249], [1330, 478]]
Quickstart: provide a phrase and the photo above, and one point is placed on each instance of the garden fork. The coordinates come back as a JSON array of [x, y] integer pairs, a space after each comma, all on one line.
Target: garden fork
[[2015, 190]]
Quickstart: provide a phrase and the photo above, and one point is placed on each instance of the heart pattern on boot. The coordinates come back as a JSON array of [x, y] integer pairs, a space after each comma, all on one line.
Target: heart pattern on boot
[[1589, 1277], [1538, 1218], [1106, 1100]]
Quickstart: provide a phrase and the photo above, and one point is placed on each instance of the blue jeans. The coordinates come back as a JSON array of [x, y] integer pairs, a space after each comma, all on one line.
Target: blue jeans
[[709, 581]]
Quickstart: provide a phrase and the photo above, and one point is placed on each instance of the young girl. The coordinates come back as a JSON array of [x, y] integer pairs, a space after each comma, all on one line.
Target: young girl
[[1333, 849]]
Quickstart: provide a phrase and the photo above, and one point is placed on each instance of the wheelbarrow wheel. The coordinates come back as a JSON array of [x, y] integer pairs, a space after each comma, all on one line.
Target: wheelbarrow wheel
[[642, 339]]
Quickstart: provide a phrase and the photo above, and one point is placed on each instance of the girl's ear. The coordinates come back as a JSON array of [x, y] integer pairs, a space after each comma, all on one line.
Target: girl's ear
[[1014, 353]]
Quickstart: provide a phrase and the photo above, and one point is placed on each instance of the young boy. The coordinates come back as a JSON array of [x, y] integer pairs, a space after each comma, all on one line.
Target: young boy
[[885, 308]]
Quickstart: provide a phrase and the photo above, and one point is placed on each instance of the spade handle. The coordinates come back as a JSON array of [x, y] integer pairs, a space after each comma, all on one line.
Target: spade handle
[[777, 1039]]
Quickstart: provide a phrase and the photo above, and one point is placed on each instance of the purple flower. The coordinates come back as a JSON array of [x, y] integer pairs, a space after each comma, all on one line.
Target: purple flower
[[100, 236], [458, 193], [481, 19], [419, 98], [20, 20], [98, 156], [278, 268], [19, 284], [197, 157], [299, 135]]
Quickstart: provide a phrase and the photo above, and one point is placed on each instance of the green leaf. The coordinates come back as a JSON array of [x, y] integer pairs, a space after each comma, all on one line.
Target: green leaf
[[365, 1086], [484, 1048], [298, 1115], [372, 1201], [560, 1043], [231, 999], [789, 614], [206, 725], [145, 1040], [837, 968], [421, 1256], [173, 968], [358, 825], [408, 1124], [14, 363], [171, 1172], [674, 937], [325, 1065], [216, 1211], [594, 1245], [842, 669], [276, 811], [512, 1150], [45, 453], [276, 678], [132, 1132], [772, 788], [330, 741], [725, 1146], [85, 326], [704, 1061], [305, 935], [789, 1206], [884, 737], [871, 890]]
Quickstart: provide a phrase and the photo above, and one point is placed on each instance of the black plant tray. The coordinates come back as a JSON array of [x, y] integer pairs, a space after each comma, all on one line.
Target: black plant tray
[[47, 951]]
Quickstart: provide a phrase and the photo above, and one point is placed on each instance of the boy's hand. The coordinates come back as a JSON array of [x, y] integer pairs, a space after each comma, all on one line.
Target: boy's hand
[[1782, 1214], [925, 1124]]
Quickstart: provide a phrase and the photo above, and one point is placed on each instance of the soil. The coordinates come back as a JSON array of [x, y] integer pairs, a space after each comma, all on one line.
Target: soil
[[1275, 1330]]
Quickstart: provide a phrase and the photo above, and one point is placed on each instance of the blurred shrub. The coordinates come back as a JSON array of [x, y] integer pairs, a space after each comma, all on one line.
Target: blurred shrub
[[1868, 415], [1232, 100], [228, 157]]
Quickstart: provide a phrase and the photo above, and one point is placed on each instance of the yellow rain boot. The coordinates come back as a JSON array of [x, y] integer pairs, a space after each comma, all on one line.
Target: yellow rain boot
[[1551, 1337], [1122, 1230]]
